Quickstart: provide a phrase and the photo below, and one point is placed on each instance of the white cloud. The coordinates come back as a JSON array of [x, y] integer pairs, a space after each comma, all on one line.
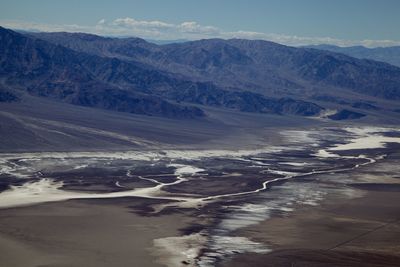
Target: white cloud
[[101, 22], [191, 30], [133, 24], [193, 27]]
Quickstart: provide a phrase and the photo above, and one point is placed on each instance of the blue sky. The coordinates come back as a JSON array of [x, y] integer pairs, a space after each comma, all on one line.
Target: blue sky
[[294, 22]]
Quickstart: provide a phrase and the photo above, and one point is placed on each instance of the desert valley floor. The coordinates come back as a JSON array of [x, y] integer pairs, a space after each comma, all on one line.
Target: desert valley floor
[[323, 196]]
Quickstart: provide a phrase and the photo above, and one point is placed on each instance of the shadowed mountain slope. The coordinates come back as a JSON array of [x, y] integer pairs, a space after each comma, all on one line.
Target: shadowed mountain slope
[[249, 65], [50, 70]]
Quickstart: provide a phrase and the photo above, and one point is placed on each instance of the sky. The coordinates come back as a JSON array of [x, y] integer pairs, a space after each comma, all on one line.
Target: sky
[[370, 23]]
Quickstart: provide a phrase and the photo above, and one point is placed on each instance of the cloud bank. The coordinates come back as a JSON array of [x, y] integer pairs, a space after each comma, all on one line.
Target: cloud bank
[[190, 30]]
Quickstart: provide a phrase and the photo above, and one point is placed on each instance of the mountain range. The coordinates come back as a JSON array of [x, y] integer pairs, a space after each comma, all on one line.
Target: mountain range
[[389, 55], [179, 80]]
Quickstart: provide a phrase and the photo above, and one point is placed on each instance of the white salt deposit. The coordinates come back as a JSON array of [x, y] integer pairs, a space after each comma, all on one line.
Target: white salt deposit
[[179, 250], [361, 138], [296, 164], [367, 142], [185, 169]]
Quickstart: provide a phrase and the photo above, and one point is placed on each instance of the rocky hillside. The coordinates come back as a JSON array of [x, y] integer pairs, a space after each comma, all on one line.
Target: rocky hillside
[[46, 69], [178, 80], [250, 65]]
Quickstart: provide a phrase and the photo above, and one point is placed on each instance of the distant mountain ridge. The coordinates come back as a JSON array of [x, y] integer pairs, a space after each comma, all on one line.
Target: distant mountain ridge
[[53, 71], [177, 80], [389, 55], [251, 65]]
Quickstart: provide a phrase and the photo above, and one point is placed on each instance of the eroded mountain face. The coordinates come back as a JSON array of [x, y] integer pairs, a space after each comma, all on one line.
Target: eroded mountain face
[[176, 80]]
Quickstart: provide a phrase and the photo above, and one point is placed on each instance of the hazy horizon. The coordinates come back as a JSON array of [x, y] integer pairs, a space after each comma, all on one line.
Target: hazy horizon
[[342, 23]]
